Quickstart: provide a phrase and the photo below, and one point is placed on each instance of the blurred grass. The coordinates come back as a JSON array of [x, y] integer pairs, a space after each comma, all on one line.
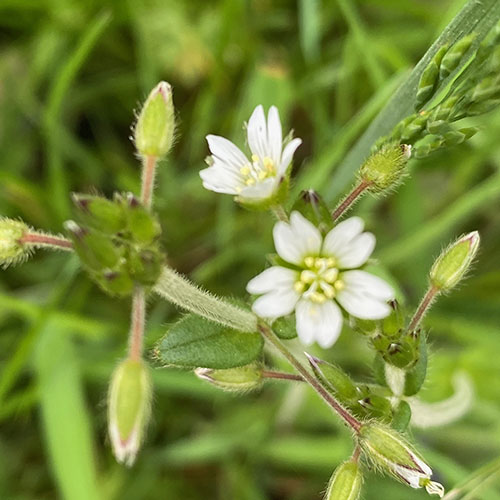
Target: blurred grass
[[71, 74]]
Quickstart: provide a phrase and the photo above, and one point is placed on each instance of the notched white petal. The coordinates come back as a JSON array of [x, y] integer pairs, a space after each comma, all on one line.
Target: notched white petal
[[340, 237]]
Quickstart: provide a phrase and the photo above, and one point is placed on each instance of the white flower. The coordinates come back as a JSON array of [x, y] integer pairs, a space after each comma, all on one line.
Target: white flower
[[322, 274], [257, 179]]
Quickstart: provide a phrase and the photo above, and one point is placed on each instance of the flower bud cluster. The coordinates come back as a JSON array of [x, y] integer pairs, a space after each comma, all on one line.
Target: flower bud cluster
[[477, 92], [117, 241]]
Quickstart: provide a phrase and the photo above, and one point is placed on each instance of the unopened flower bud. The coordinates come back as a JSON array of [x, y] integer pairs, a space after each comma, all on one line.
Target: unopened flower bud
[[154, 130], [385, 168], [454, 262], [240, 379], [345, 484], [129, 408], [333, 377], [388, 450], [12, 250]]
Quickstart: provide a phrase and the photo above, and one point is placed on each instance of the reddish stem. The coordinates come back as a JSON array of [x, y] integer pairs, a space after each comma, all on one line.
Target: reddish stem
[[349, 199], [423, 308], [282, 375], [148, 180], [137, 324], [43, 239]]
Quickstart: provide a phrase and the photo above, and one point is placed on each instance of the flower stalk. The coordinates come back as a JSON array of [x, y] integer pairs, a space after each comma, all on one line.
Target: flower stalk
[[423, 307], [148, 180], [137, 324], [349, 419], [41, 240], [357, 192]]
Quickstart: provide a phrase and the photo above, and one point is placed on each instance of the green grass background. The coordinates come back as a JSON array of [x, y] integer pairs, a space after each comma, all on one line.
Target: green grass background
[[71, 74]]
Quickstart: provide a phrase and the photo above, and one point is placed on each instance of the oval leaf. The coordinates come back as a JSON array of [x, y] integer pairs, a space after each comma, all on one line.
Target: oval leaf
[[196, 342]]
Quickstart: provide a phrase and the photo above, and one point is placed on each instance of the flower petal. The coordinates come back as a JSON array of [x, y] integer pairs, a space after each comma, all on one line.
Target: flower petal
[[273, 278], [260, 190], [340, 236], [274, 135], [287, 155], [320, 322], [296, 240], [276, 303], [220, 180], [356, 253], [226, 151], [365, 296], [257, 133]]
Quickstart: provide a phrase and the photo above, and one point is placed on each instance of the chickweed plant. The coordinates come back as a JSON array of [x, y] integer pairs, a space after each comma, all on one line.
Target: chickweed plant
[[317, 281]]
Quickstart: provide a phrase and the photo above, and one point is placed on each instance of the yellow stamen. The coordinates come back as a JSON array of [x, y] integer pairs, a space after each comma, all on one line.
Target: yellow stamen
[[309, 261], [330, 275], [307, 276], [339, 285], [299, 286], [250, 182], [245, 170], [255, 158], [317, 298]]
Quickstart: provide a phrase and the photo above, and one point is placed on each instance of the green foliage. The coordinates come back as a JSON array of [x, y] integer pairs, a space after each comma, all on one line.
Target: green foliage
[[193, 342]]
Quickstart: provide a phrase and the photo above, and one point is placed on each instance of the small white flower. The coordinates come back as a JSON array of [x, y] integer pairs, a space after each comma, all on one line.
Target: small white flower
[[257, 179], [322, 274]]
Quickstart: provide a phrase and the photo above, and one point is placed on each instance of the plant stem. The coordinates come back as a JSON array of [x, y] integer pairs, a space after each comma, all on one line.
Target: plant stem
[[350, 199], [282, 375], [181, 292], [280, 213], [349, 419], [41, 240], [137, 324], [148, 180], [423, 307]]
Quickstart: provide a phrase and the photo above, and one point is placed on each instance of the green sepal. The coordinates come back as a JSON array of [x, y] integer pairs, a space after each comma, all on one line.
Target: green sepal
[[401, 417], [99, 213], [194, 341], [145, 265], [115, 282], [378, 369], [333, 378], [416, 376], [284, 327], [142, 224], [377, 407], [312, 206]]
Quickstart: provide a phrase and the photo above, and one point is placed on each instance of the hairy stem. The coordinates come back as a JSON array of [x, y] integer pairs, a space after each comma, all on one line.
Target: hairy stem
[[40, 240], [148, 180], [350, 199], [282, 375], [181, 292], [137, 324], [349, 419], [423, 307]]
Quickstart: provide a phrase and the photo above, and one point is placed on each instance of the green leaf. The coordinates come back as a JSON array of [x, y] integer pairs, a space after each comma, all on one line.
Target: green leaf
[[401, 417], [65, 419], [196, 342]]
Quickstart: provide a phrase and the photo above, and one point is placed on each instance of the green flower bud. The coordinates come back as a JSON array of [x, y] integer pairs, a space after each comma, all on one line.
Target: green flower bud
[[333, 377], [388, 450], [12, 250], [129, 408], [240, 379], [429, 79], [454, 55], [154, 130], [454, 262], [99, 213], [385, 169], [142, 224], [345, 484]]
